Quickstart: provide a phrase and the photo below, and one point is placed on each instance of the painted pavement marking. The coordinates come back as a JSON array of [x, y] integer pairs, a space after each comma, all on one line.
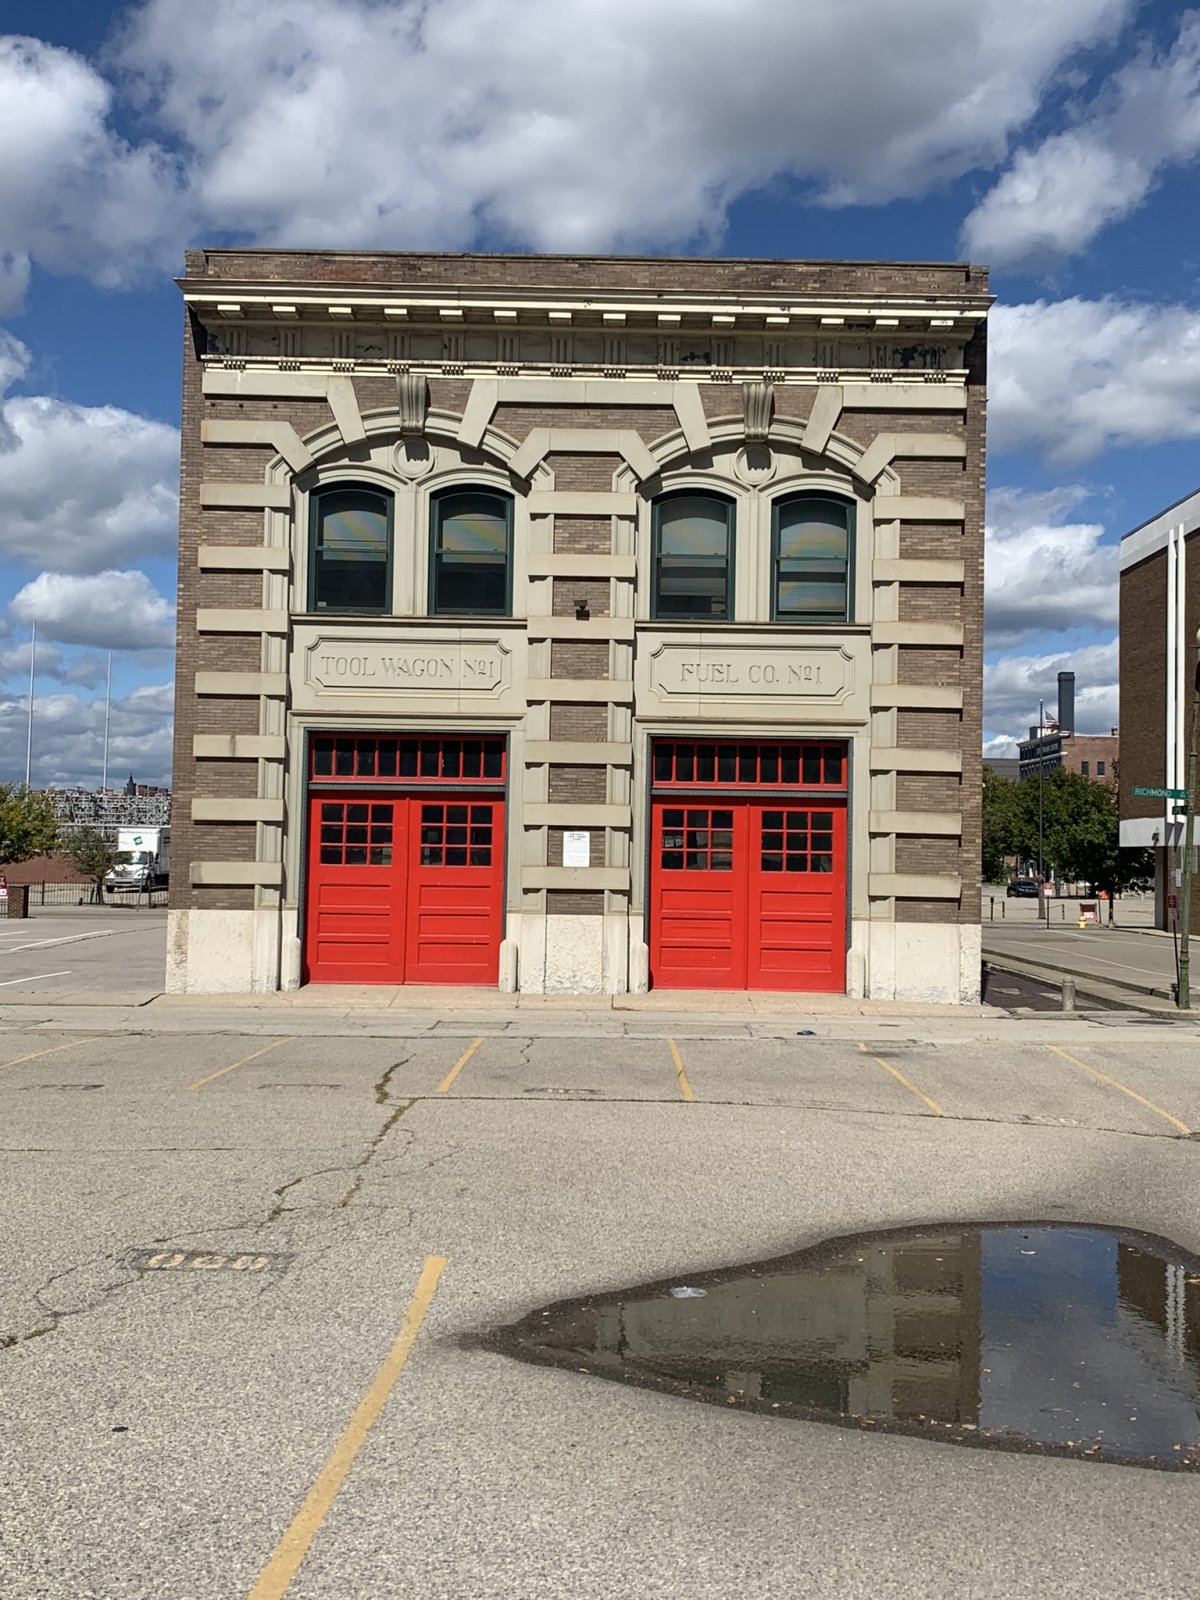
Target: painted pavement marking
[[685, 1088], [901, 1079], [234, 1065], [1115, 1083], [279, 1571], [36, 1055], [448, 1080]]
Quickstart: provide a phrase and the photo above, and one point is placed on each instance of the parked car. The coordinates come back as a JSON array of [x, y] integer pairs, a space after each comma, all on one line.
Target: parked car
[[1023, 888]]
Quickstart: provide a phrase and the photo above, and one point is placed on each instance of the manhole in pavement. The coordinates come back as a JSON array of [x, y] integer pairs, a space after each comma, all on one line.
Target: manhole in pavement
[[208, 1261], [1042, 1337]]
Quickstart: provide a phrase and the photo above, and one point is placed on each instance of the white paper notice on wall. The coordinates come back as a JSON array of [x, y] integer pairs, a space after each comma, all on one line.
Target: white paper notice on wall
[[577, 849]]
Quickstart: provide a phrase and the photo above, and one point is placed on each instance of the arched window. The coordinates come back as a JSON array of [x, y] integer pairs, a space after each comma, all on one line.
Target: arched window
[[811, 544], [693, 558], [350, 565], [470, 561]]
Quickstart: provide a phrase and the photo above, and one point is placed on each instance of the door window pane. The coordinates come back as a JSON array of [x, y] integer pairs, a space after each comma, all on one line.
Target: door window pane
[[351, 551], [812, 560], [456, 836], [471, 540], [797, 841], [692, 557], [698, 840], [356, 836]]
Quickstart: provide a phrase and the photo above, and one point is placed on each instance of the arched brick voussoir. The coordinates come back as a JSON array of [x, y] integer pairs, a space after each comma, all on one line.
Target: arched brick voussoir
[[671, 450], [326, 444]]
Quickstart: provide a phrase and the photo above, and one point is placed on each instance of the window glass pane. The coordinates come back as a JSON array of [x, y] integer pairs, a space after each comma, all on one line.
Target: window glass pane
[[471, 554], [812, 560], [350, 558], [693, 557]]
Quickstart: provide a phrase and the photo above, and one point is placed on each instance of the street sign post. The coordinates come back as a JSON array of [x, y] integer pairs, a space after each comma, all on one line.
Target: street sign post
[[1140, 792]]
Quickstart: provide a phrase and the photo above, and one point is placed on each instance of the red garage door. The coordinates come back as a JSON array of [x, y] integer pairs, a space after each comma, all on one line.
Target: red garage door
[[748, 889], [405, 888]]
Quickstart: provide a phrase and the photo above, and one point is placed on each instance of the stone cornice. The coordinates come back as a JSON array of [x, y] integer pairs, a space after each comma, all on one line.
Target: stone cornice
[[944, 316]]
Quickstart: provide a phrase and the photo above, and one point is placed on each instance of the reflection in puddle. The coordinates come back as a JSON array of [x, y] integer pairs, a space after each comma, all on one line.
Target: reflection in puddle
[[1080, 1341]]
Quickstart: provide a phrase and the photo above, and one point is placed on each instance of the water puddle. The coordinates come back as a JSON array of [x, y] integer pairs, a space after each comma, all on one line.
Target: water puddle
[[1058, 1339]]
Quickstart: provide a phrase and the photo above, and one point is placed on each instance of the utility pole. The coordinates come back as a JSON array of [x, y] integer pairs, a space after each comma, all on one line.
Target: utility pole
[[29, 729], [1183, 998], [107, 720], [1043, 898]]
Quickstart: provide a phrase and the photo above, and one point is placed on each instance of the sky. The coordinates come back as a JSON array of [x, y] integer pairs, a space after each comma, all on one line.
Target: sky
[[1056, 143]]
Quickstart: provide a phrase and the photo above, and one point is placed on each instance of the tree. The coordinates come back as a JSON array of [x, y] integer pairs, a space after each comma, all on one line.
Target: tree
[[28, 825], [1083, 835], [91, 854], [1000, 809], [1080, 834]]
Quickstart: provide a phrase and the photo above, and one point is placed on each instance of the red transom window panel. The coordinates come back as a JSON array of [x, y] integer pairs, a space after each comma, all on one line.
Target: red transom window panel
[[406, 758], [734, 764]]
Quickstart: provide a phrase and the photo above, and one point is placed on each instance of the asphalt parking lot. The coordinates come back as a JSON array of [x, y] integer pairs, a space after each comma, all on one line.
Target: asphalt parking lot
[[246, 1271], [97, 949]]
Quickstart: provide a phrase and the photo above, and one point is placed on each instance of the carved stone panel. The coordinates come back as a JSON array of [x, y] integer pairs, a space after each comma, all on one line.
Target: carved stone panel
[[752, 678], [440, 671]]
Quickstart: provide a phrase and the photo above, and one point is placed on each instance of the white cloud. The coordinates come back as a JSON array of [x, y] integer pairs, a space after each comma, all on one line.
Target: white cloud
[[1071, 378], [1057, 196], [1002, 746], [1043, 572], [68, 738], [86, 671], [1013, 685], [110, 610], [74, 196], [555, 124], [82, 487], [575, 124]]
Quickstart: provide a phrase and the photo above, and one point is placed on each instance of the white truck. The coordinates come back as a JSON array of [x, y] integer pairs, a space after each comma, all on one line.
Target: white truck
[[145, 862]]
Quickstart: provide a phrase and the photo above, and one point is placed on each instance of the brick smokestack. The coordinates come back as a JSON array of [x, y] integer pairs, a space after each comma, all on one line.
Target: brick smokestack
[[1066, 702]]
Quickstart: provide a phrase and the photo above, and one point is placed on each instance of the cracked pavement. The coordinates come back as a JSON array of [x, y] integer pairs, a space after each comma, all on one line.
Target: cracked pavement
[[163, 1427]]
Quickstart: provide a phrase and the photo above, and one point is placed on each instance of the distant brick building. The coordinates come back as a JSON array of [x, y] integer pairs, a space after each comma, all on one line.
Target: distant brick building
[[1160, 613], [578, 624], [1093, 755], [106, 810]]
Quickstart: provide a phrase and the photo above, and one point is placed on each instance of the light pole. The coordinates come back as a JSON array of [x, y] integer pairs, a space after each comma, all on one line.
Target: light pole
[[1183, 997], [1043, 898]]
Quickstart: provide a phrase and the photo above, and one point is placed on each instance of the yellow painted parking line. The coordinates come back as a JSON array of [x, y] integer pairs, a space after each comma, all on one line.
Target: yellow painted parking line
[[1115, 1083], [685, 1088], [446, 1082], [36, 1055], [234, 1065], [900, 1078], [293, 1547]]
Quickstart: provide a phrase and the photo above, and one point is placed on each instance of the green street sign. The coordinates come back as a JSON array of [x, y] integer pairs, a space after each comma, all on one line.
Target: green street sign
[[1140, 792]]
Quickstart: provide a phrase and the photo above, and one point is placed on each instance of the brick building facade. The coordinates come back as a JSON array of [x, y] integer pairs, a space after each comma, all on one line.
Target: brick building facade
[[578, 624], [1160, 613]]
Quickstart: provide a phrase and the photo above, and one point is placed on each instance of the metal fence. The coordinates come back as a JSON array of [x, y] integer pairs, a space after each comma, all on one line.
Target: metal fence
[[85, 894]]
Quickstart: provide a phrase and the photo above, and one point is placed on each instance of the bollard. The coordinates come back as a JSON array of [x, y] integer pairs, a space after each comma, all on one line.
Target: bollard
[[1068, 994]]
